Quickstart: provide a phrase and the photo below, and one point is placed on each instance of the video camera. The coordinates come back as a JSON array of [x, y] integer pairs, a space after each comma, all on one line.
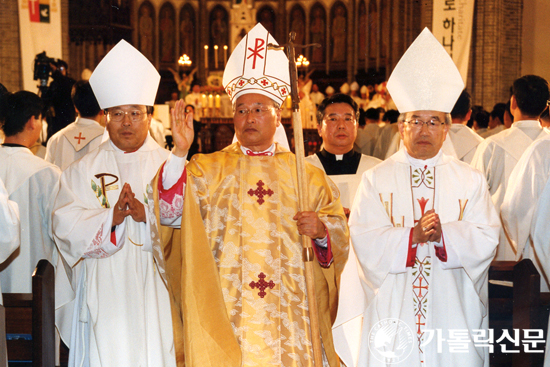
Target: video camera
[[42, 68]]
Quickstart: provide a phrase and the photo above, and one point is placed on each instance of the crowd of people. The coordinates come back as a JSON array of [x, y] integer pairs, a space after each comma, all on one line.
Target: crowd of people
[[172, 258]]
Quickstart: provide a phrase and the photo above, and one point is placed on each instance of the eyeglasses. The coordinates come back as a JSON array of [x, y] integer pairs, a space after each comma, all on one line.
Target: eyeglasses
[[133, 115], [432, 124], [255, 112]]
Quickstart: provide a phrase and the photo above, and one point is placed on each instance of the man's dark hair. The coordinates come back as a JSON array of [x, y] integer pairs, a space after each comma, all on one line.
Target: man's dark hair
[[462, 106], [336, 98], [3, 89], [362, 119], [482, 119], [84, 99], [391, 116], [531, 93], [498, 111], [16, 109], [372, 114], [190, 105]]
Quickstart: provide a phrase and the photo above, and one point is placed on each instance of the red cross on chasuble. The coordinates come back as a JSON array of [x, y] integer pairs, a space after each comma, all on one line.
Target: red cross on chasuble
[[80, 137]]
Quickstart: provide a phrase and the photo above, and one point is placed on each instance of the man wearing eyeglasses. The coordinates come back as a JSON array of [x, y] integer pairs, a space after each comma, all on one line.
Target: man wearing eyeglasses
[[424, 230], [235, 269], [112, 304]]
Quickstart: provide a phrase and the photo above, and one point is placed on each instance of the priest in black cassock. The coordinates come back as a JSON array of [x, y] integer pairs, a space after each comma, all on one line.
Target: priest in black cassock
[[337, 118]]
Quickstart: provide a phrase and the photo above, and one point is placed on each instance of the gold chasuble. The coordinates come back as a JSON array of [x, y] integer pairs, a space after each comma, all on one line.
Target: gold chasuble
[[236, 275]]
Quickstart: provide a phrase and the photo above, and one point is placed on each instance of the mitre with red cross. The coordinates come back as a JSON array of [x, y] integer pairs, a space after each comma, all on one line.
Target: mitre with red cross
[[253, 68], [125, 77], [426, 78]]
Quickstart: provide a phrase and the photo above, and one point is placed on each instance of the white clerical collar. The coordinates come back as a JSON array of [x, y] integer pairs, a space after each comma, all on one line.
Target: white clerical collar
[[268, 151], [339, 157], [430, 162]]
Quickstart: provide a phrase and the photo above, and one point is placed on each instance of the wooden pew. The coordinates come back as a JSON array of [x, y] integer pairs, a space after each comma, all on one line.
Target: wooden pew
[[501, 300], [520, 306], [530, 310], [33, 314]]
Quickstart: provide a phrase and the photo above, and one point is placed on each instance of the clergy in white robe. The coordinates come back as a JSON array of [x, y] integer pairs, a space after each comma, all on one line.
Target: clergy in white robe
[[9, 226], [82, 136], [497, 156], [424, 230], [525, 212], [112, 306], [367, 136], [464, 139], [337, 127], [32, 183]]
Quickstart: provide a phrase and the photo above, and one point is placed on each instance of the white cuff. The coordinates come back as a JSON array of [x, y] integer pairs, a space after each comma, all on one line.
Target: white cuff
[[173, 169]]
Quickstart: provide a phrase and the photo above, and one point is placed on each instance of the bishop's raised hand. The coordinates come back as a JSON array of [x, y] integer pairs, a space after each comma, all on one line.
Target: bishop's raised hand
[[182, 129]]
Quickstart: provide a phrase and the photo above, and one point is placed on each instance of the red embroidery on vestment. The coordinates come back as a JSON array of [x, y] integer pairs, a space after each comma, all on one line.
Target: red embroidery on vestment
[[80, 137], [262, 285], [251, 153], [260, 192]]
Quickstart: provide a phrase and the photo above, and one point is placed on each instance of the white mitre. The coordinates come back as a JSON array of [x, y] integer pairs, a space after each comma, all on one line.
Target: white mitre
[[125, 77], [426, 78], [344, 88], [253, 68]]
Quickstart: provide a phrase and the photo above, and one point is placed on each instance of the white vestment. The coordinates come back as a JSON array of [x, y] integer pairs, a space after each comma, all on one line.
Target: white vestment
[[381, 222], [491, 132], [121, 305], [385, 138], [73, 142], [316, 97], [366, 138], [525, 212], [346, 329], [33, 184], [9, 227], [465, 141], [158, 132], [496, 157]]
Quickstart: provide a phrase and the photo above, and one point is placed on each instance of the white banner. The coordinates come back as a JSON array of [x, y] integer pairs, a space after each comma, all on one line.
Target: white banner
[[452, 26], [39, 30]]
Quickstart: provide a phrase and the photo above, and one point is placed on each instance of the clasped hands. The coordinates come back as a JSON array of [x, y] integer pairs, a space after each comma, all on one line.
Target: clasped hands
[[128, 205], [428, 228], [309, 224]]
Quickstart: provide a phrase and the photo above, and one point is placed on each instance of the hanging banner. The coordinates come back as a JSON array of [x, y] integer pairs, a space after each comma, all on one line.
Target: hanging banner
[[452, 26], [39, 30]]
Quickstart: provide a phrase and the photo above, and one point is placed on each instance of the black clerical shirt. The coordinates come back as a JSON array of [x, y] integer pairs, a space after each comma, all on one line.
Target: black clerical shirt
[[346, 166]]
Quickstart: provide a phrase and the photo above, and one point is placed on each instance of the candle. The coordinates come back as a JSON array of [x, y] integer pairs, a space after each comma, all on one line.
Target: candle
[[218, 101], [288, 102], [224, 55], [204, 101], [206, 56], [210, 101], [215, 56]]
